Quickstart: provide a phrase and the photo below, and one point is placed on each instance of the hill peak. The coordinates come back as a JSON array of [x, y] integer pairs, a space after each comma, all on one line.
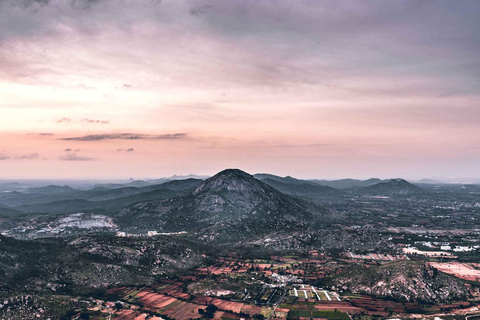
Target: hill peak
[[398, 186], [230, 180]]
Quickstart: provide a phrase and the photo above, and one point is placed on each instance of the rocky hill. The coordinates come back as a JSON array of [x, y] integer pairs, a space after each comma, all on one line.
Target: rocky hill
[[230, 201], [347, 183], [394, 187], [405, 281], [83, 264]]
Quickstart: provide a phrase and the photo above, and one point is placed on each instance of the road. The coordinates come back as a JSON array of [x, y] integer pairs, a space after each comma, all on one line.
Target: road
[[278, 303]]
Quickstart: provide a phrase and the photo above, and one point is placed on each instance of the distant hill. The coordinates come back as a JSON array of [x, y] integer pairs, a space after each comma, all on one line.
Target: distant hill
[[299, 189], [287, 179], [394, 186], [232, 203], [347, 183], [97, 198], [189, 176], [102, 200], [429, 181], [51, 189]]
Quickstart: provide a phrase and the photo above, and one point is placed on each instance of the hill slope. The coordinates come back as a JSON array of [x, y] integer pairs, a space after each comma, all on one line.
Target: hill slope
[[305, 190], [347, 183], [404, 280]]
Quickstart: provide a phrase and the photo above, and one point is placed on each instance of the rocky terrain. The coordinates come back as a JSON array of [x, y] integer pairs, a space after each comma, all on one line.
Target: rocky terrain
[[88, 263], [328, 240], [405, 281]]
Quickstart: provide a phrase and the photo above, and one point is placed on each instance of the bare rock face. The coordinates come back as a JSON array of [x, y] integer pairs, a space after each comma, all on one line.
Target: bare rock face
[[84, 221]]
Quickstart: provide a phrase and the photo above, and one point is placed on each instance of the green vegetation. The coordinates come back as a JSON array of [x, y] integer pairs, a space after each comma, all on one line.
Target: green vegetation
[[333, 315]]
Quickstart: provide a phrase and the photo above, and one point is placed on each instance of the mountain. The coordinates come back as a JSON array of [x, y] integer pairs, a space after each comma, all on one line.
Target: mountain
[[262, 176], [287, 179], [300, 189], [347, 183], [189, 176], [132, 183], [429, 181], [230, 203], [102, 194], [394, 186], [98, 199], [51, 189]]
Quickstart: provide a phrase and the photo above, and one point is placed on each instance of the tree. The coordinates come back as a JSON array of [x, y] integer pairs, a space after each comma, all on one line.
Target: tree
[[211, 308], [209, 311]]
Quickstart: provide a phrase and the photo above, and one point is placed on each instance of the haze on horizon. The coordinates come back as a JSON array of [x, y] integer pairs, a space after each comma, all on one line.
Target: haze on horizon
[[311, 89]]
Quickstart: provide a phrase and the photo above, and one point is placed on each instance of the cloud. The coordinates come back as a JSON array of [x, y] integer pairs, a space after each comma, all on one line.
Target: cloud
[[95, 121], [74, 157], [4, 156], [84, 120], [127, 86], [68, 149], [126, 150], [41, 134], [30, 156], [127, 136]]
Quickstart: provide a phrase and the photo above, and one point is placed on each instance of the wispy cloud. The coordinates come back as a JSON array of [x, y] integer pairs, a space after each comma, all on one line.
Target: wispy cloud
[[63, 120], [127, 136], [126, 150], [67, 150], [4, 156], [30, 156], [95, 121], [75, 157]]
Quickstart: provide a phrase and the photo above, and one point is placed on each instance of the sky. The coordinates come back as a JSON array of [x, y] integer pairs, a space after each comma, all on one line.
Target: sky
[[311, 89]]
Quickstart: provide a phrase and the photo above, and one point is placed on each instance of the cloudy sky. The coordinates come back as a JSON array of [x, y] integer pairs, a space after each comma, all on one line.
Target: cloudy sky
[[317, 89]]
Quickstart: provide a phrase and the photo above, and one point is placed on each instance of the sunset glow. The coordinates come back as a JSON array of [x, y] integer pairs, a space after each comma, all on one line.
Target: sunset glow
[[315, 89]]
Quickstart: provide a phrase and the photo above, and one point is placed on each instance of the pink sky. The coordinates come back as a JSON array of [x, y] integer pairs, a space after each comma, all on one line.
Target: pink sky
[[328, 89]]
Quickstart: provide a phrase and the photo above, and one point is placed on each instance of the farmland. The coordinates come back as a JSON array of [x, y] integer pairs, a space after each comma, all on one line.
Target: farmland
[[276, 287]]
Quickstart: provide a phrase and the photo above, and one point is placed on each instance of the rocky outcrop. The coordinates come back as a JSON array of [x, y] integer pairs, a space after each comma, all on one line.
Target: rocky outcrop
[[404, 280]]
